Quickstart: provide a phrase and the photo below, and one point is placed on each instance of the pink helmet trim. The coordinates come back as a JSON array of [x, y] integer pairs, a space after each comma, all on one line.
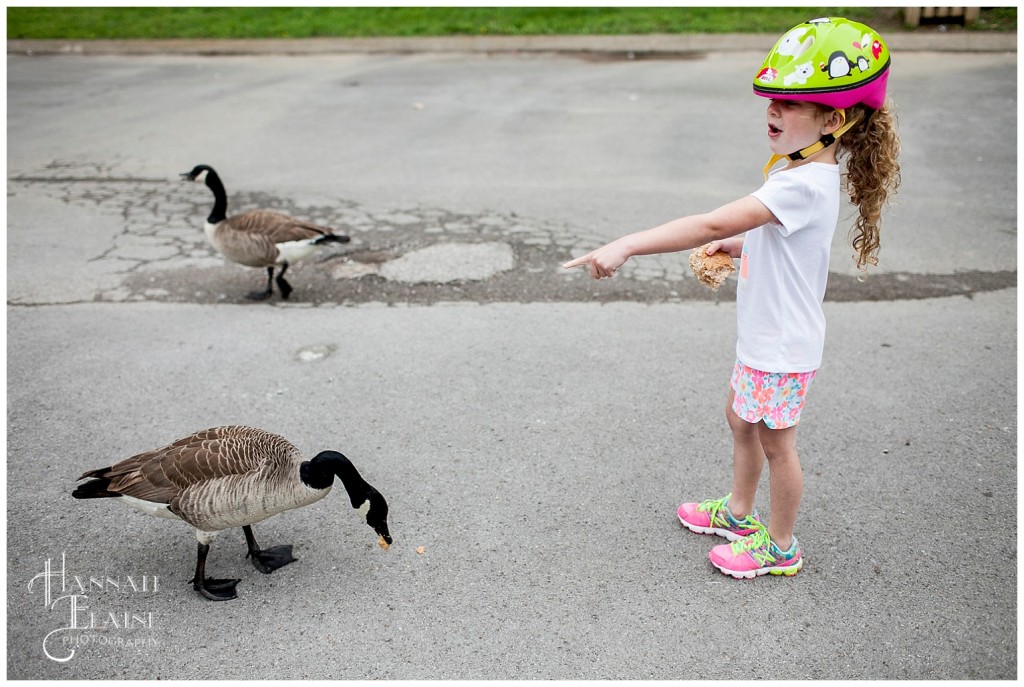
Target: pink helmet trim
[[871, 93]]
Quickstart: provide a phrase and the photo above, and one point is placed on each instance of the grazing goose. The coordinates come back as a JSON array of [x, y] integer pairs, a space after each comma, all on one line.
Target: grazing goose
[[259, 238], [232, 477]]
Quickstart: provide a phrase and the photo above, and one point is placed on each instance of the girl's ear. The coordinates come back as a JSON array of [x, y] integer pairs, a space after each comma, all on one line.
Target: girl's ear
[[834, 119]]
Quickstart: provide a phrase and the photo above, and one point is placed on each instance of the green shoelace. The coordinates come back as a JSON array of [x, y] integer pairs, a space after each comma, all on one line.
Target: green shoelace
[[759, 544], [713, 507]]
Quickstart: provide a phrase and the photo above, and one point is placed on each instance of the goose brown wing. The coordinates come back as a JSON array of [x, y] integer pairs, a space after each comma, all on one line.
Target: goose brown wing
[[277, 227], [162, 474], [239, 240]]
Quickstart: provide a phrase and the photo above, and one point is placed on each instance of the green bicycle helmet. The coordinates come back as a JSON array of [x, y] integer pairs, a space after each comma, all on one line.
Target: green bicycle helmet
[[832, 61]]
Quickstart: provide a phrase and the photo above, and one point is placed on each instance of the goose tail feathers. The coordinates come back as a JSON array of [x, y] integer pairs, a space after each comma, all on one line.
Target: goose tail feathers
[[331, 238], [95, 489]]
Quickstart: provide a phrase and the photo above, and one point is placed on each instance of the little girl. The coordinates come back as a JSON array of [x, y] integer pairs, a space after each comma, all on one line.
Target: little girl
[[826, 81]]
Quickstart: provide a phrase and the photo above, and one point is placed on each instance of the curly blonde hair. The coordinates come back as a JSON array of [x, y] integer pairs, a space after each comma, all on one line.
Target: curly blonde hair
[[871, 150]]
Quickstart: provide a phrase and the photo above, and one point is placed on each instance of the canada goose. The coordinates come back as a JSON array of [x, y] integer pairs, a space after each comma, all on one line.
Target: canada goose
[[232, 477], [259, 238]]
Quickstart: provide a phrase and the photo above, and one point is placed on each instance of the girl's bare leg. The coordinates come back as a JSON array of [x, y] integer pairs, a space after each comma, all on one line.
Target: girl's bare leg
[[747, 462], [786, 481]]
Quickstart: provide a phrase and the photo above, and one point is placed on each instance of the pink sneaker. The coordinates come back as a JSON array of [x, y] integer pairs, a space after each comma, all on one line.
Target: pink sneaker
[[714, 517], [757, 555]]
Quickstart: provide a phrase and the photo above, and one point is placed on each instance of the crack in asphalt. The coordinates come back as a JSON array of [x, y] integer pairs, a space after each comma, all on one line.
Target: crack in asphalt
[[163, 255]]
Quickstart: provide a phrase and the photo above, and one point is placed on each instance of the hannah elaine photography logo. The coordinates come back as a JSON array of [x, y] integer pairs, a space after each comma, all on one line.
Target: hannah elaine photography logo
[[81, 604]]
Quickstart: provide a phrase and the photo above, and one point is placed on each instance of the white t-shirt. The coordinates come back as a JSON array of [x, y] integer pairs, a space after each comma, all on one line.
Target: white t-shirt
[[784, 271]]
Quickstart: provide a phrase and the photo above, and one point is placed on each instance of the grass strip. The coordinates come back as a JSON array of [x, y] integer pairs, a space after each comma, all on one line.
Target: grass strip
[[368, 22]]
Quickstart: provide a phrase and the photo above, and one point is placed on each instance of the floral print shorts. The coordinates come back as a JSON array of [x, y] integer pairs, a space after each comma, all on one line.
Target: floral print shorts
[[775, 397]]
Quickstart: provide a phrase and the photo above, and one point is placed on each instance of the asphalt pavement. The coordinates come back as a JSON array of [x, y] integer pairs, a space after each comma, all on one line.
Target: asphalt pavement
[[533, 430]]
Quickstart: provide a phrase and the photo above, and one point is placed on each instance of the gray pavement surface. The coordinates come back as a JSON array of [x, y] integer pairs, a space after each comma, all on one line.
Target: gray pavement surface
[[533, 430], [635, 46]]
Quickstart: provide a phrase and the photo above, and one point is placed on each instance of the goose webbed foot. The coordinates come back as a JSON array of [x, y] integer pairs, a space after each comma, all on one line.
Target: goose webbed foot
[[268, 292], [267, 560], [216, 590]]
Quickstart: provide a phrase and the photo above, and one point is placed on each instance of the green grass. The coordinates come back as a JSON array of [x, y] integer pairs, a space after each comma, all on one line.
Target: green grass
[[305, 22]]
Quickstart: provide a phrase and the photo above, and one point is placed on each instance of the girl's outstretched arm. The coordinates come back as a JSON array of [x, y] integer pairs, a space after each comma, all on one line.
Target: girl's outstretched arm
[[681, 234]]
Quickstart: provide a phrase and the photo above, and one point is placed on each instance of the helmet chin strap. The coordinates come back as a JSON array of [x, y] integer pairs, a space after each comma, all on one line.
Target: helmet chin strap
[[822, 143]]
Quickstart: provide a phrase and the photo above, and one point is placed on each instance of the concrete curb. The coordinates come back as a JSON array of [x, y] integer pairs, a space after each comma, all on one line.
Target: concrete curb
[[657, 44]]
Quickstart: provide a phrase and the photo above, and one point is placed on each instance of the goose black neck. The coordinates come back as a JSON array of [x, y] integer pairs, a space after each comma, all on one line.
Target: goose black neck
[[220, 197], [319, 473]]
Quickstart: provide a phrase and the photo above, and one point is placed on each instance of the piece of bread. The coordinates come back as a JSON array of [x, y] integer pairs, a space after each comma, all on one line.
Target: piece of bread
[[711, 270]]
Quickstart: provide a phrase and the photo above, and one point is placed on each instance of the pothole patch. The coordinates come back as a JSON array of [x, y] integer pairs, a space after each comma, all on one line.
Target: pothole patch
[[309, 354], [352, 269], [447, 262]]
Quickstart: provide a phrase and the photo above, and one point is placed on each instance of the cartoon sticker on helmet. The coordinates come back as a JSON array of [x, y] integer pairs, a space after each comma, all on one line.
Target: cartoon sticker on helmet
[[838, 65], [793, 43], [869, 40], [800, 74]]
